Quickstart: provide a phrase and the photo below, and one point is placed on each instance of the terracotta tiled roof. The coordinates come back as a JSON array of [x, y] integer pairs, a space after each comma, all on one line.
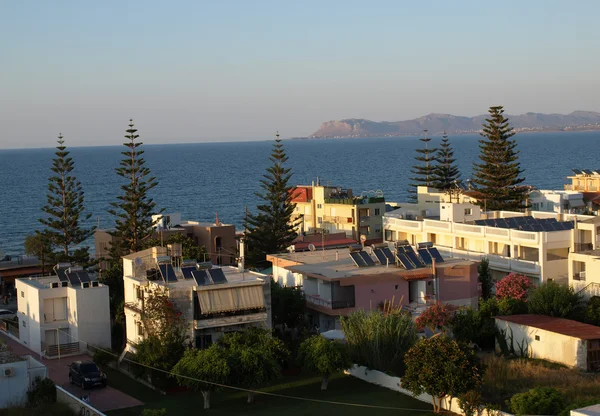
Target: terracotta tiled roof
[[557, 325]]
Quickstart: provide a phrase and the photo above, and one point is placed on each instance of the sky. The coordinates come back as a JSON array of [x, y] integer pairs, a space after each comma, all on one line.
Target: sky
[[195, 71]]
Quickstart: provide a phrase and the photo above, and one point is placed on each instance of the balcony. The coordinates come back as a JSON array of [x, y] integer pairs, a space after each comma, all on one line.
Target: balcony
[[365, 218], [58, 350], [335, 304], [237, 318]]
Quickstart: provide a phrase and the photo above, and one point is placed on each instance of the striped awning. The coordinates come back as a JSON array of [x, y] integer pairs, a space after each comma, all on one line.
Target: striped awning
[[231, 299]]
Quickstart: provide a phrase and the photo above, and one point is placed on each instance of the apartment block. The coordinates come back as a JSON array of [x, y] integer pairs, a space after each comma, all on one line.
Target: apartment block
[[213, 300], [63, 314]]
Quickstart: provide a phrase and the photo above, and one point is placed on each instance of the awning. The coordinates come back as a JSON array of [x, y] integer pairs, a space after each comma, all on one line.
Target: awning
[[334, 335], [231, 299], [576, 203]]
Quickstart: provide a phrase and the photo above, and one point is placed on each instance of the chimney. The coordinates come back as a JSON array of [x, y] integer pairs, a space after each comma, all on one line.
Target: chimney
[[241, 265]]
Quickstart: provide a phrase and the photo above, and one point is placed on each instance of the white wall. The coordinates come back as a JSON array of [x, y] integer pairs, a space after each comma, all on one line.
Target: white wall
[[13, 390], [550, 346], [91, 316], [285, 277]]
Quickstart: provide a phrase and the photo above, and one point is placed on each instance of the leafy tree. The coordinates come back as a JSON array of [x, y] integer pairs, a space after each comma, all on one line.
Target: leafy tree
[[424, 171], [538, 401], [436, 317], [485, 278], [254, 358], [134, 208], [65, 211], [467, 325], [324, 357], [189, 248], [556, 300], [40, 246], [209, 365], [439, 367], [379, 339], [498, 176], [592, 311], [164, 342], [287, 305], [445, 172], [272, 229], [514, 286]]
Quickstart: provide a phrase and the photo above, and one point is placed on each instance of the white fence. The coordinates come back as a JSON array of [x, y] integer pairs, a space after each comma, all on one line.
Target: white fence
[[77, 405]]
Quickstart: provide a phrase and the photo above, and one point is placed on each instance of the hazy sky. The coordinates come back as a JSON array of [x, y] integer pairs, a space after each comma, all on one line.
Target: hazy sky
[[190, 71]]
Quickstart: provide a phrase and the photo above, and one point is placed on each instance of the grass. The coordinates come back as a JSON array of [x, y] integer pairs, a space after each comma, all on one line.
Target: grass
[[54, 409], [342, 388], [506, 377]]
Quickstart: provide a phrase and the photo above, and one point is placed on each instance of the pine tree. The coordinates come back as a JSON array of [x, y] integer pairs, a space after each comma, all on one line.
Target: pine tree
[[272, 230], [498, 177], [445, 173], [134, 207], [65, 211], [425, 170]]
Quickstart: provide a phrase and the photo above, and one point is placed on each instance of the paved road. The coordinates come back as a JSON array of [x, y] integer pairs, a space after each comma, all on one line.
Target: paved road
[[103, 399]]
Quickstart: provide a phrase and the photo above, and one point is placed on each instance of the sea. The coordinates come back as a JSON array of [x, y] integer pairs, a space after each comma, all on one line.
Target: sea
[[198, 180]]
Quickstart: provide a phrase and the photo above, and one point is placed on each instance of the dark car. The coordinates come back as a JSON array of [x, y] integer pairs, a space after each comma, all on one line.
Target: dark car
[[86, 374]]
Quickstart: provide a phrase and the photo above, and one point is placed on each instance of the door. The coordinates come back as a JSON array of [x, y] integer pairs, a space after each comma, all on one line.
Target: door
[[413, 291]]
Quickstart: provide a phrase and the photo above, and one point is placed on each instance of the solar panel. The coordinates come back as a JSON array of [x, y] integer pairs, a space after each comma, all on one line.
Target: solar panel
[[368, 260], [73, 279], [218, 277], [381, 257], [62, 276], [187, 271], [358, 260], [577, 171], [84, 277], [436, 254], [167, 272], [569, 225], [201, 277], [413, 257], [586, 171], [404, 261], [388, 253], [425, 256]]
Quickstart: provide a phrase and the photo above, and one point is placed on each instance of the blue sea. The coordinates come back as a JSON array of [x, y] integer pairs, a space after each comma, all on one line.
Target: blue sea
[[200, 179]]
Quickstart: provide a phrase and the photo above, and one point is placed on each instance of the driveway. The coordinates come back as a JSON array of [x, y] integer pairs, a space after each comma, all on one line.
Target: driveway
[[103, 399]]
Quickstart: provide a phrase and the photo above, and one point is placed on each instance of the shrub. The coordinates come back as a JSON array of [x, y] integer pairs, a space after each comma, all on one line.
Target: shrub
[[379, 340], [324, 357], [556, 300], [470, 402], [485, 278], [436, 317], [592, 311], [43, 392], [538, 401], [513, 286], [154, 412], [467, 325], [102, 358]]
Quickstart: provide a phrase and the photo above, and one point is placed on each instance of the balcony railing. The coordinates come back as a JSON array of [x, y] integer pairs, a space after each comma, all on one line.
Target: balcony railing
[[55, 350], [341, 304], [336, 304], [579, 276]]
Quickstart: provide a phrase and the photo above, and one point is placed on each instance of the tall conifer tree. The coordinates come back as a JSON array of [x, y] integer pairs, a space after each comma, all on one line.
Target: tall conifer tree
[[446, 172], [134, 207], [272, 229], [498, 176], [425, 170], [65, 211]]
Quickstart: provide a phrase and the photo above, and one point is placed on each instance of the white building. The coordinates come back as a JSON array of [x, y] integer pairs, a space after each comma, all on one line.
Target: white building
[[62, 314], [560, 202], [563, 341], [213, 301], [536, 244]]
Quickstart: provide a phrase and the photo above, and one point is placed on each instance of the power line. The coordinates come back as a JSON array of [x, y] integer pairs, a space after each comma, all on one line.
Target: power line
[[264, 393]]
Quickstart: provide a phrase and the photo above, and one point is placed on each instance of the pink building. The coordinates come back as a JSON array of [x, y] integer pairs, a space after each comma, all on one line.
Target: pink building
[[335, 286]]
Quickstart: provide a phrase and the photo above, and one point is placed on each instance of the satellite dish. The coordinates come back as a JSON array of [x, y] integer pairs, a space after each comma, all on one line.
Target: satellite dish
[[312, 247], [139, 261], [363, 238]]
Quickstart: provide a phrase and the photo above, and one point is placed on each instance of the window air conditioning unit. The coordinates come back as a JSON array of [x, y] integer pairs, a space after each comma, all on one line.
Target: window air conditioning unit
[[8, 372], [54, 284]]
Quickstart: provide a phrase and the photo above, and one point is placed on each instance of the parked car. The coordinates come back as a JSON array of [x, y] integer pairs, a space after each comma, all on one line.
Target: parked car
[[9, 315], [86, 374]]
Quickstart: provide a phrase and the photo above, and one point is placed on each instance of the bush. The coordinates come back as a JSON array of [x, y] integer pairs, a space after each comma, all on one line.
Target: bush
[[43, 392], [538, 401], [556, 300], [513, 286], [379, 340], [592, 311], [470, 402], [154, 412], [467, 325], [436, 317]]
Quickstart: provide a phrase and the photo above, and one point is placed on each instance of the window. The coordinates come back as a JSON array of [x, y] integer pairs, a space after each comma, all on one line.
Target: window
[[377, 230], [319, 206], [140, 329], [320, 220], [22, 294], [139, 293], [537, 337], [23, 324], [468, 211], [377, 211], [203, 341]]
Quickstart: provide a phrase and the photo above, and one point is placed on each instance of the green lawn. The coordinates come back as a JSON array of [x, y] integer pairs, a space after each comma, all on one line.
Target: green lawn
[[341, 388]]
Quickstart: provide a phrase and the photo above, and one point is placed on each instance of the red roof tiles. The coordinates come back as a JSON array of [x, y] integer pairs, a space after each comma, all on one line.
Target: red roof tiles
[[557, 325]]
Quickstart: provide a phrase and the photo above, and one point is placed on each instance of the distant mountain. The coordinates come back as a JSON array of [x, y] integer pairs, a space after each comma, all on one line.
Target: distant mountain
[[438, 123]]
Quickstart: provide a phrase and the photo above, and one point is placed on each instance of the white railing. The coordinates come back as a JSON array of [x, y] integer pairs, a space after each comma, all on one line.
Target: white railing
[[496, 261], [525, 266], [524, 235], [416, 225], [499, 261], [499, 232], [441, 225], [469, 229]]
